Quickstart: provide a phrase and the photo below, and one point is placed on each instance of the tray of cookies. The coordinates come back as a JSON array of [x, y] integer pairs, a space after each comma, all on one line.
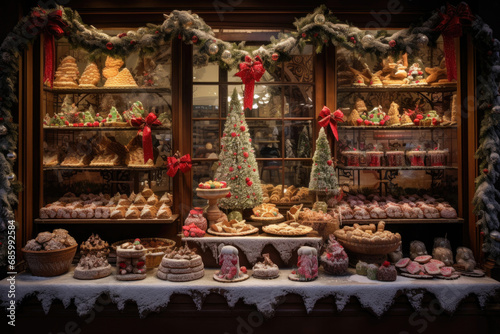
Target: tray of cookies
[[289, 229], [232, 228]]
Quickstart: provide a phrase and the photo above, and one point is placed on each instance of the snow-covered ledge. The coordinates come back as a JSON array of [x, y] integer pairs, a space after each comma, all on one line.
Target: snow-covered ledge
[[152, 294]]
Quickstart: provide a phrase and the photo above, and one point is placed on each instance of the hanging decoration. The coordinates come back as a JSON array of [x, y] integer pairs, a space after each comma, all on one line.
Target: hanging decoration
[[251, 70], [176, 162], [54, 28], [450, 27], [145, 125], [327, 118]]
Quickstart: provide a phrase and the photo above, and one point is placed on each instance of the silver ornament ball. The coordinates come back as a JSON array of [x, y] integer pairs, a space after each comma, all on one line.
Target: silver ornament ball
[[213, 49], [367, 39], [3, 130], [11, 177], [12, 156], [319, 19], [226, 56], [423, 40]]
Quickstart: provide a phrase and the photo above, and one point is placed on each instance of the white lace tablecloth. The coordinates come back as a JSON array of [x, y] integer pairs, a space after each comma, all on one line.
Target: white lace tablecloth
[[152, 294], [252, 246]]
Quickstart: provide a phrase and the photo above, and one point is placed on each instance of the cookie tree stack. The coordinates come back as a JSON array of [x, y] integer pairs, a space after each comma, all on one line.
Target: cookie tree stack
[[93, 263], [323, 175], [237, 164]]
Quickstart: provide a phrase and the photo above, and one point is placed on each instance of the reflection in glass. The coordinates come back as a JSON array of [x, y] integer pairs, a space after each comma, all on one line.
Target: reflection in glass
[[205, 139]]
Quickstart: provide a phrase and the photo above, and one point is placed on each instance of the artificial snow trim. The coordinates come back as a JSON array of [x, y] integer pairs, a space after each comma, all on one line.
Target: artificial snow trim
[[153, 294]]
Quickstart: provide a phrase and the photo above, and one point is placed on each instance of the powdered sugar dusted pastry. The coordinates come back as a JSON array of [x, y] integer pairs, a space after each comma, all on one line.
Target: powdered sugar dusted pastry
[[334, 259], [230, 266], [307, 265], [93, 264], [131, 261], [266, 269], [181, 265]]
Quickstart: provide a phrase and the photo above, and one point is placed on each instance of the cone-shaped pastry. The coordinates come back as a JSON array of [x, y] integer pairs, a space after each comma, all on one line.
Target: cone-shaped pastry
[[67, 74], [90, 76], [123, 79], [112, 67]]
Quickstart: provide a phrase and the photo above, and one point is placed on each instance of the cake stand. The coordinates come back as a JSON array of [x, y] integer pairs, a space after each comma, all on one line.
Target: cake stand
[[212, 195]]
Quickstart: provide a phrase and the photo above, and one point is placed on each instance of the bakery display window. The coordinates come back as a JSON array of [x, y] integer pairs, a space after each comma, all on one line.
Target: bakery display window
[[281, 122], [106, 135]]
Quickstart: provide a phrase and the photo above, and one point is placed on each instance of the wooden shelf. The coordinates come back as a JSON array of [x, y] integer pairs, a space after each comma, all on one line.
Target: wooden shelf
[[416, 89], [396, 168], [100, 128], [392, 128], [99, 168], [107, 221], [403, 221], [106, 90]]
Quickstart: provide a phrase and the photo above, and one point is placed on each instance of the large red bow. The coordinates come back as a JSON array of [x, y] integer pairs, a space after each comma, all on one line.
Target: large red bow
[[450, 26], [250, 71], [53, 27], [326, 117], [177, 162], [145, 127]]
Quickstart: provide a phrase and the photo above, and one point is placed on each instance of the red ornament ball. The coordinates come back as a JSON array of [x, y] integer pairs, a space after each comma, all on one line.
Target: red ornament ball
[[245, 154], [231, 169], [236, 196], [194, 39], [392, 43], [485, 171], [239, 167], [109, 45], [329, 162], [304, 35], [133, 42], [179, 36], [275, 56], [228, 195], [242, 128], [248, 196], [233, 134], [247, 179], [249, 183]]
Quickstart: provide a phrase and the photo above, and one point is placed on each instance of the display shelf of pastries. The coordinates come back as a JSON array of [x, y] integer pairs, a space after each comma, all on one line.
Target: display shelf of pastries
[[107, 90], [396, 127], [404, 221], [98, 168], [395, 167], [398, 88], [100, 128], [76, 221]]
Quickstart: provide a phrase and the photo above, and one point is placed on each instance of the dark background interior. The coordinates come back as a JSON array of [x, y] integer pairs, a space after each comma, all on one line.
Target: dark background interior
[[245, 13]]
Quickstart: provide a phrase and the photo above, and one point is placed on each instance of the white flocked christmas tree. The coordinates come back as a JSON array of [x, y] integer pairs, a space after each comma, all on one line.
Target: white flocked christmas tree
[[323, 174], [237, 165]]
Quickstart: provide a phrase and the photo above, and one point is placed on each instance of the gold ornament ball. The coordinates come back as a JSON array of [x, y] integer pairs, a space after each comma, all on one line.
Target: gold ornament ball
[[208, 146], [226, 56], [319, 19]]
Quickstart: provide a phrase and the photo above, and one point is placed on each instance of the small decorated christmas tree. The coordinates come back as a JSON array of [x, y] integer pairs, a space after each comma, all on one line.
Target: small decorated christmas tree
[[323, 174], [304, 144], [237, 165]]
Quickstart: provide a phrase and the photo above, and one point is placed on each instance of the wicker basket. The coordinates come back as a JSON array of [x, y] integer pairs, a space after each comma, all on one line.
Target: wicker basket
[[153, 255], [49, 263], [324, 228], [366, 248]]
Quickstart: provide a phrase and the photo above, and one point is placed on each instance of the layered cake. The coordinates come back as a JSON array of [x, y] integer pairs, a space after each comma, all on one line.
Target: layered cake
[[93, 263], [181, 265], [387, 272], [266, 269], [334, 259], [131, 261]]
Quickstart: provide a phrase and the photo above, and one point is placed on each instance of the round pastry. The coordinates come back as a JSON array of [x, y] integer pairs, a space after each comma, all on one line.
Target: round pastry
[[265, 269], [387, 272]]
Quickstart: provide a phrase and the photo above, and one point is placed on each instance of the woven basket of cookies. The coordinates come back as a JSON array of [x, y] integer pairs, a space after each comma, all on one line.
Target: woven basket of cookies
[[323, 223], [50, 253], [155, 249], [368, 239]]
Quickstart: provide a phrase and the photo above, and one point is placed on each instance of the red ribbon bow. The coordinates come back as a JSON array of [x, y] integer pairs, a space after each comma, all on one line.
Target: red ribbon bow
[[326, 117], [250, 71], [177, 162], [54, 28], [145, 127], [450, 26]]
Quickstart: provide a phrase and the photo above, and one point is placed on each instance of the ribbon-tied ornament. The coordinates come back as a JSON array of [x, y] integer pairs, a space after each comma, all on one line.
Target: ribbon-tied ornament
[[450, 27], [144, 125], [52, 26], [329, 118], [251, 70], [177, 162]]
